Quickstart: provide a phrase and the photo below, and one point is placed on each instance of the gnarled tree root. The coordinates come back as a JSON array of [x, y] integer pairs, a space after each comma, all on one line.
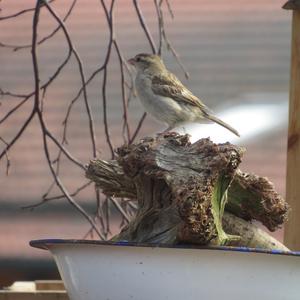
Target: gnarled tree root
[[182, 190]]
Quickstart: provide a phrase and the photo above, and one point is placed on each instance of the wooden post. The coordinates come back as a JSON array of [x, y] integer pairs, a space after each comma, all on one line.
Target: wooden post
[[37, 290], [292, 228]]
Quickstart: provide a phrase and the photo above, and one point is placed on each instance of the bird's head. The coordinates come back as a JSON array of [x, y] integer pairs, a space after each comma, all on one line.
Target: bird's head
[[145, 61]]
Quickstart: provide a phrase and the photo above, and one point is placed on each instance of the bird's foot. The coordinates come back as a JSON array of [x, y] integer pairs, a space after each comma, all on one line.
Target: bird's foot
[[167, 132]]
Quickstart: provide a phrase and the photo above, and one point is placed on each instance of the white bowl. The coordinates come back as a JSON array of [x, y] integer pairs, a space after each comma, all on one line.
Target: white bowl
[[94, 270]]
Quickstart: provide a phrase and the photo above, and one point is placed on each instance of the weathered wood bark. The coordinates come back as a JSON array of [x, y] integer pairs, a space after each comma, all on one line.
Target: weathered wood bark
[[250, 234], [252, 197], [182, 190]]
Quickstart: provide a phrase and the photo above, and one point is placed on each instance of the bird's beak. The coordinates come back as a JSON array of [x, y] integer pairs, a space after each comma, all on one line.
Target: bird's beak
[[131, 61]]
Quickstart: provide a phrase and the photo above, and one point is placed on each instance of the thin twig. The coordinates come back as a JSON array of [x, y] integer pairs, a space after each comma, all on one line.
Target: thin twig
[[82, 76], [120, 209], [45, 38], [109, 18], [64, 150], [99, 211], [141, 121], [42, 123], [21, 12], [7, 157], [100, 222], [169, 8], [160, 26], [124, 100], [163, 34], [106, 209], [18, 134], [45, 199], [144, 26], [72, 102], [6, 93], [20, 104]]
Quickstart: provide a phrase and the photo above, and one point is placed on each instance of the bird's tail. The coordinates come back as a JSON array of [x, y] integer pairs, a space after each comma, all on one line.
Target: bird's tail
[[220, 122]]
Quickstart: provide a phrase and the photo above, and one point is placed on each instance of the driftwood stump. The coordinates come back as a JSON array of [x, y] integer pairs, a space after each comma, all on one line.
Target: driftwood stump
[[182, 190]]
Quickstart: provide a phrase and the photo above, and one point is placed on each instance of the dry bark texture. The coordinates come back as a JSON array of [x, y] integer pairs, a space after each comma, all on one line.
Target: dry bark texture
[[254, 198], [183, 188]]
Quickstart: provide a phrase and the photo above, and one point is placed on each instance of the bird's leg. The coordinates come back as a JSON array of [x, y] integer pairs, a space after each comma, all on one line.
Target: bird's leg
[[165, 131], [168, 129]]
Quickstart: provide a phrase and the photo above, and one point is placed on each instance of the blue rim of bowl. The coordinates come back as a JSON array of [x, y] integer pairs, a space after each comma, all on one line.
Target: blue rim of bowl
[[46, 244]]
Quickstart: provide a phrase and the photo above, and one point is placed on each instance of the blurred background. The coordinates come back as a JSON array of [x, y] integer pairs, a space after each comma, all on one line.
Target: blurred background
[[236, 52]]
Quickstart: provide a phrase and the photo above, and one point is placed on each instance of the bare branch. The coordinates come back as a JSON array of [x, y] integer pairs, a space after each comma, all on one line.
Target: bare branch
[[18, 134], [64, 150], [6, 93], [164, 37], [47, 37], [7, 157], [8, 114], [42, 124], [144, 26], [99, 212], [160, 25], [139, 126], [100, 222], [109, 18], [21, 12], [82, 76], [124, 99], [106, 209], [120, 209], [169, 8], [45, 199], [97, 71]]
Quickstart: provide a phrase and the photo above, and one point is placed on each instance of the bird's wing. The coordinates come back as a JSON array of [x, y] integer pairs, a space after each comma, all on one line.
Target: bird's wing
[[168, 85]]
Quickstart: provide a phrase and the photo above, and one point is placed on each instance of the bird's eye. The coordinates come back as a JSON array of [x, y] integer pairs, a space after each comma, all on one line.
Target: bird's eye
[[138, 59]]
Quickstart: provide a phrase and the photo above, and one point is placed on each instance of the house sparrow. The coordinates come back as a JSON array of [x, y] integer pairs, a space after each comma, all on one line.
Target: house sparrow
[[165, 97]]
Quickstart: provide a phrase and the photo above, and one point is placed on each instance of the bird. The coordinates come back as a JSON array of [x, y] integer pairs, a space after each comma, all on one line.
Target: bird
[[164, 96]]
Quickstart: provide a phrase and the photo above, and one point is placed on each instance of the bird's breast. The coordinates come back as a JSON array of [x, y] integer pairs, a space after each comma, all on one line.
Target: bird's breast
[[162, 108]]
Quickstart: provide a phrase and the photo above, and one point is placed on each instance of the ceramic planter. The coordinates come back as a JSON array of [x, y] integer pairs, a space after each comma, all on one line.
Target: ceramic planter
[[94, 270]]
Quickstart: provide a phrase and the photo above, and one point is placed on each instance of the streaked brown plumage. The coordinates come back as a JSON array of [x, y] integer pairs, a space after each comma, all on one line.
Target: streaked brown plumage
[[166, 98]]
